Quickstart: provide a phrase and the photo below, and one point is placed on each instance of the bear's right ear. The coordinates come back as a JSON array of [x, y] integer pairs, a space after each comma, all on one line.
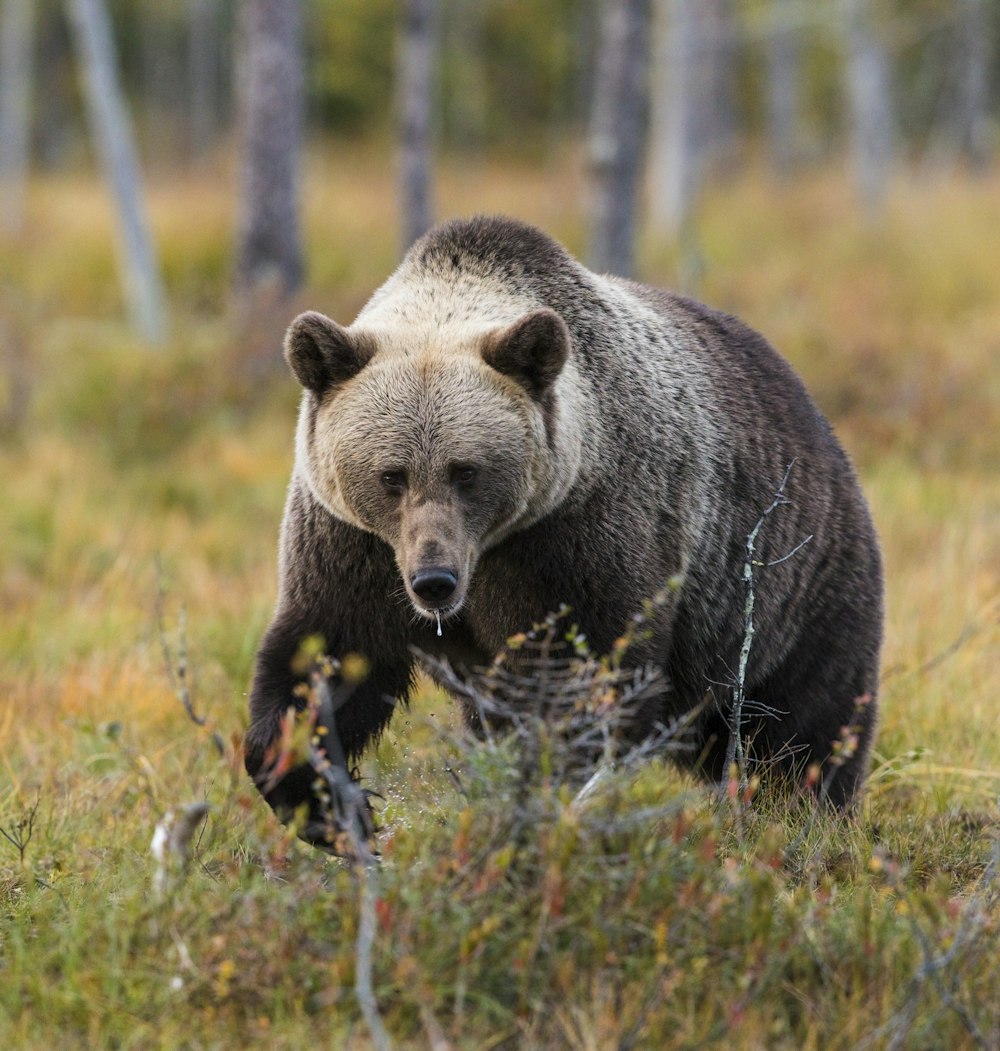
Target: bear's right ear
[[531, 351], [323, 354]]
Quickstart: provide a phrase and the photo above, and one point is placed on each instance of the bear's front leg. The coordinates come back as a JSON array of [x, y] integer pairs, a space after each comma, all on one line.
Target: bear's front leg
[[335, 597], [307, 726]]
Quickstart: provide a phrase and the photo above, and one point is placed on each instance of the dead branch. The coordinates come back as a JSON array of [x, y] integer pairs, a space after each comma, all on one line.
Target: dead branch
[[177, 671], [942, 969], [734, 750], [349, 812]]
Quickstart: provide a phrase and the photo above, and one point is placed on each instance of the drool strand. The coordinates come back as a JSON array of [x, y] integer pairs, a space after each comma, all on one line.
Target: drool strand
[[438, 615]]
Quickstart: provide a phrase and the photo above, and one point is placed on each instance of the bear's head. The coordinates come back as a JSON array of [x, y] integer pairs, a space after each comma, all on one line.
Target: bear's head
[[441, 443]]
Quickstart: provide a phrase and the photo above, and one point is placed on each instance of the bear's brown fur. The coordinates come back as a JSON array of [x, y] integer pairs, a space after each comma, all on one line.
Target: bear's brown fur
[[501, 432]]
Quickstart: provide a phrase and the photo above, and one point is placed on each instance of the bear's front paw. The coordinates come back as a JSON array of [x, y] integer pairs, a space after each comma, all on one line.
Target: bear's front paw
[[324, 803], [304, 775], [341, 820]]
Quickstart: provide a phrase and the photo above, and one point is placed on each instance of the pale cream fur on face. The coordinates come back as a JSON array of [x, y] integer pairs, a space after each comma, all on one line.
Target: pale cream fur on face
[[424, 410]]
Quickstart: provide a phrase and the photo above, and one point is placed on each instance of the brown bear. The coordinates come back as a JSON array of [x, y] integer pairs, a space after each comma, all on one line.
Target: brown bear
[[501, 432]]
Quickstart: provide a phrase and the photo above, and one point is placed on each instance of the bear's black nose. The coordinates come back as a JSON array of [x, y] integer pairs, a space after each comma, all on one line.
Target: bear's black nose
[[434, 585]]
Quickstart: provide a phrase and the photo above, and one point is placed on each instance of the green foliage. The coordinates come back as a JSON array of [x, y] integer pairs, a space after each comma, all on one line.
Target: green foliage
[[529, 62], [351, 46]]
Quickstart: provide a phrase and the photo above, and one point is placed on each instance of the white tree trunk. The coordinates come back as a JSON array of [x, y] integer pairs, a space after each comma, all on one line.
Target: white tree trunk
[[16, 44], [113, 133], [685, 123], [869, 91], [415, 95], [271, 100], [618, 133]]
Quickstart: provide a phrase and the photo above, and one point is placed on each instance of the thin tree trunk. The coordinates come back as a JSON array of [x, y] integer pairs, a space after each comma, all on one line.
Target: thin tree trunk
[[869, 93], [685, 111], [113, 133], [784, 73], [271, 101], [618, 133], [16, 46], [417, 63], [685, 119]]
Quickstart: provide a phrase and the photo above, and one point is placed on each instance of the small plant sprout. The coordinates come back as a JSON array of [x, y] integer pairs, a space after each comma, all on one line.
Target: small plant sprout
[[19, 834]]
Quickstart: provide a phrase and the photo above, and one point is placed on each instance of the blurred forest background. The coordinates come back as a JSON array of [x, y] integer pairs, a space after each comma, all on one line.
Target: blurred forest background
[[177, 180], [658, 99]]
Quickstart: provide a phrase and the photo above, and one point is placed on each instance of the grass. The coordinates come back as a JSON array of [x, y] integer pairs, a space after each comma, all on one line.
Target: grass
[[651, 916]]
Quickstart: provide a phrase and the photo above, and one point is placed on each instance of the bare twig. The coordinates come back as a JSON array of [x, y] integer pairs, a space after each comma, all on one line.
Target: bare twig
[[363, 988], [432, 1027], [177, 672], [795, 550], [975, 919], [734, 750], [348, 810], [943, 969]]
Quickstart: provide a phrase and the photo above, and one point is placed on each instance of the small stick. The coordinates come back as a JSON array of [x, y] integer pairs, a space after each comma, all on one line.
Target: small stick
[[177, 673], [734, 749]]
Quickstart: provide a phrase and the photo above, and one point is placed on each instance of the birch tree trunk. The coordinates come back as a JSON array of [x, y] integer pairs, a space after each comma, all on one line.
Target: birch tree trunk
[[685, 109], [415, 95], [870, 101], [618, 133], [112, 131], [16, 45], [270, 101]]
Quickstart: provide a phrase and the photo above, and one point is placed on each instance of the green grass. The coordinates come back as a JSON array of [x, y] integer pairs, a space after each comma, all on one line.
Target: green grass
[[648, 914]]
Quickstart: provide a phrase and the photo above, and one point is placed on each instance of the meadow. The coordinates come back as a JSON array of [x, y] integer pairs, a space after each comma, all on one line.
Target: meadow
[[141, 494]]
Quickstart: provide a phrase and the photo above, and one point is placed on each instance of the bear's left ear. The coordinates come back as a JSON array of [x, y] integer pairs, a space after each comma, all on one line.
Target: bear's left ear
[[532, 351], [322, 353]]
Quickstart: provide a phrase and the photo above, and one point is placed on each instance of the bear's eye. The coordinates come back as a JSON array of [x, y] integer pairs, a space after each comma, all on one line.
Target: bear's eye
[[394, 481], [463, 474]]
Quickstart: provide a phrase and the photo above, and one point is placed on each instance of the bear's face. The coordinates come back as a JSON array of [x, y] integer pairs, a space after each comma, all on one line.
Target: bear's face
[[440, 451]]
